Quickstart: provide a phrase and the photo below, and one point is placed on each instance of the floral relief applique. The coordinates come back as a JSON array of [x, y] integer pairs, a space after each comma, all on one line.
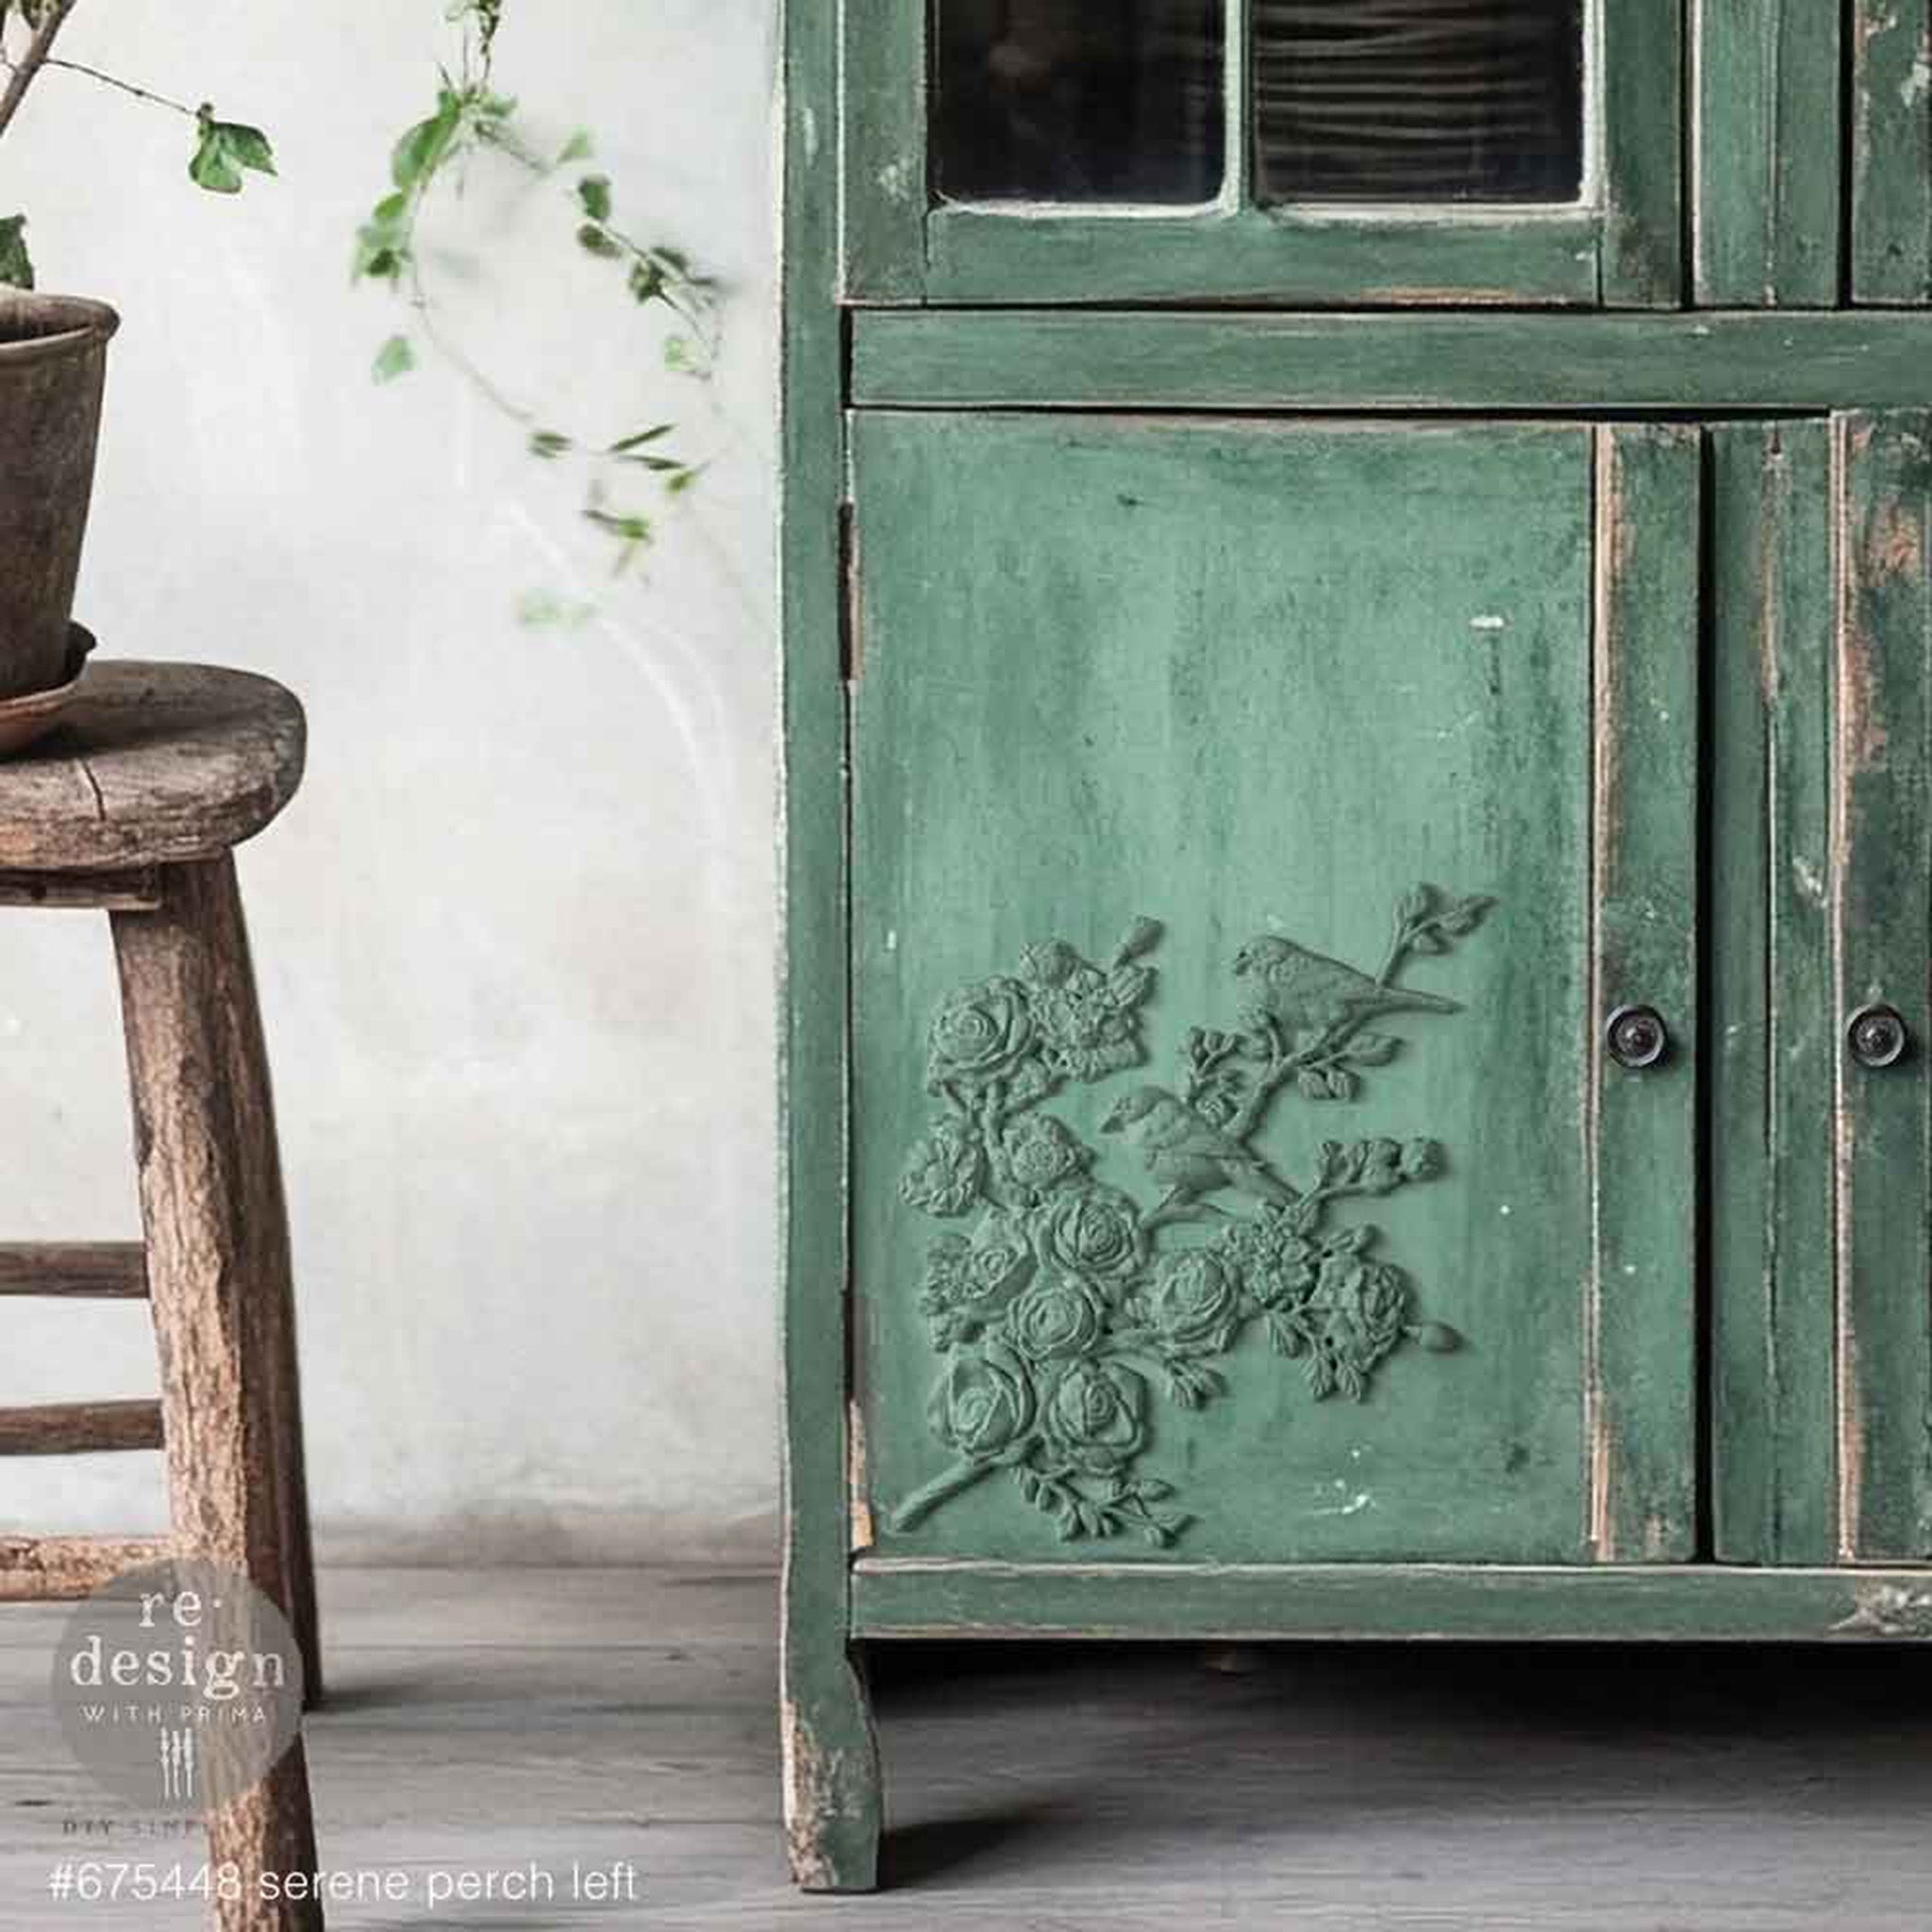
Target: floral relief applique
[[1066, 1301]]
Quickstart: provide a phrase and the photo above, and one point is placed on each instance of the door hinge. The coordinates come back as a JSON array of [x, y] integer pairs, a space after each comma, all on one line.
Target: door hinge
[[851, 614]]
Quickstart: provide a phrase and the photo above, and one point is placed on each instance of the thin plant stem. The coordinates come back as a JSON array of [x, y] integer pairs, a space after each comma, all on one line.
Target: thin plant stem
[[127, 86]]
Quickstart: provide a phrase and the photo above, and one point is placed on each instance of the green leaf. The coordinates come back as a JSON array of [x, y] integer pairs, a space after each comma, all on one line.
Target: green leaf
[[1372, 1049], [647, 282], [633, 529], [395, 358], [595, 242], [638, 442], [16, 265], [549, 444], [678, 484], [223, 149], [1467, 915], [633, 532], [423, 147], [593, 195], [249, 146], [382, 252], [578, 148]]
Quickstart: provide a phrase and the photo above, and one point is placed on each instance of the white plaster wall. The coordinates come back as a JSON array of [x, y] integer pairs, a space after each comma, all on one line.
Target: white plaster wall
[[515, 935]]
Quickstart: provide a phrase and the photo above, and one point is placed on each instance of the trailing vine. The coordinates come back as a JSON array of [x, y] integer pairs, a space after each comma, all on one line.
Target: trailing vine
[[471, 120]]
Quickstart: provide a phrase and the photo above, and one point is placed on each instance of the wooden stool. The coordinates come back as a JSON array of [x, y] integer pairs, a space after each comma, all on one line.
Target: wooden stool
[[134, 807]]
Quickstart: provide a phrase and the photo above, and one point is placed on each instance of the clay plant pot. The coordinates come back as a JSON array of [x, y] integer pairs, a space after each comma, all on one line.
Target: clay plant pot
[[53, 361]]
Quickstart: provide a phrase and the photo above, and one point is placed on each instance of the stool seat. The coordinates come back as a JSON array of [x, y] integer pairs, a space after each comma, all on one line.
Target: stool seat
[[154, 764]]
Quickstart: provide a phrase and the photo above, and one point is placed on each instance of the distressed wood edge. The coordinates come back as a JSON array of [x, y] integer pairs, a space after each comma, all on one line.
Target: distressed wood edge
[[831, 1792], [105, 1271], [1765, 153], [898, 1599], [1847, 1423], [1642, 50], [876, 108], [1803, 360], [81, 1428], [1891, 186], [1744, 1343], [1881, 747], [1265, 258], [1641, 1348], [137, 890], [63, 1568], [101, 809], [1772, 1260]]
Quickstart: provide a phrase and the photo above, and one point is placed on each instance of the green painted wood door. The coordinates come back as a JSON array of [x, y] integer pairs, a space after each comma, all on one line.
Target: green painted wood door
[[1252, 824], [1890, 152], [1822, 910]]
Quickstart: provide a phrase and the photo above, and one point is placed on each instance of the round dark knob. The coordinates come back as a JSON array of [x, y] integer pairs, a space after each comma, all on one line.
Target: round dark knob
[[1637, 1036], [1878, 1035]]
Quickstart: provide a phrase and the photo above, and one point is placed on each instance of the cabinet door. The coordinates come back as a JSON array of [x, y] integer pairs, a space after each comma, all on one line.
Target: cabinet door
[[1376, 151], [1823, 912], [1253, 824], [1889, 153]]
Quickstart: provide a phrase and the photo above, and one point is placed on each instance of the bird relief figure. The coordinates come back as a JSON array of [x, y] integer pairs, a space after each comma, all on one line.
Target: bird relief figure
[[1065, 1298]]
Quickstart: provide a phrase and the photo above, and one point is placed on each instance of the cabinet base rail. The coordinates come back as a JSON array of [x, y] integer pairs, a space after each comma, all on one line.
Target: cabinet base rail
[[912, 1598]]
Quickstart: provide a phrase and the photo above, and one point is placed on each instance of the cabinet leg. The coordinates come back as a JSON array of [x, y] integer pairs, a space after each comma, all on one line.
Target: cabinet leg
[[219, 1279], [833, 1803]]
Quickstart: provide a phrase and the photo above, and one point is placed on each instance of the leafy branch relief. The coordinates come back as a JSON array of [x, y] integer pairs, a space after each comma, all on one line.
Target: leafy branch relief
[[1066, 1300]]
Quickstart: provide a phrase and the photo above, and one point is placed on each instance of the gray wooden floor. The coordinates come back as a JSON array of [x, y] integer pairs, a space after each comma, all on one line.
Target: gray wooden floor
[[489, 1720]]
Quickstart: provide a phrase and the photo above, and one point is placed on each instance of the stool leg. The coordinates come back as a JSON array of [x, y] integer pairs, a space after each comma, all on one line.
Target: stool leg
[[187, 968], [220, 1281]]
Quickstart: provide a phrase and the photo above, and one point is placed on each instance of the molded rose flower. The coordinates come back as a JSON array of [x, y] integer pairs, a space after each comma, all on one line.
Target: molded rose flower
[[1054, 1321], [1276, 1262], [1084, 1018], [1193, 1304], [982, 1407], [998, 1264], [980, 1034], [1093, 1231], [943, 1172], [1092, 1415], [1369, 1299], [1040, 1153], [1049, 963], [1422, 1161]]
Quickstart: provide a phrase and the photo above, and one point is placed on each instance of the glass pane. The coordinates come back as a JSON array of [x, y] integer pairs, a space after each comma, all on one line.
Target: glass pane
[[1077, 100], [1418, 100]]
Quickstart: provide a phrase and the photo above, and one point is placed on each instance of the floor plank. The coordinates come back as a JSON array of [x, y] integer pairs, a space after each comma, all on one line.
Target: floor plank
[[484, 1721]]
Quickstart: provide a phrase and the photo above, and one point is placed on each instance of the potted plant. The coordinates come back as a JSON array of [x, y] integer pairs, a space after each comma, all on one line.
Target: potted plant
[[52, 348], [53, 364]]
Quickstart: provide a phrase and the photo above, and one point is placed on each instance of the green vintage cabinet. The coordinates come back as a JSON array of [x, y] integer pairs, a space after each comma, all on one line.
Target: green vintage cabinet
[[1357, 879]]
